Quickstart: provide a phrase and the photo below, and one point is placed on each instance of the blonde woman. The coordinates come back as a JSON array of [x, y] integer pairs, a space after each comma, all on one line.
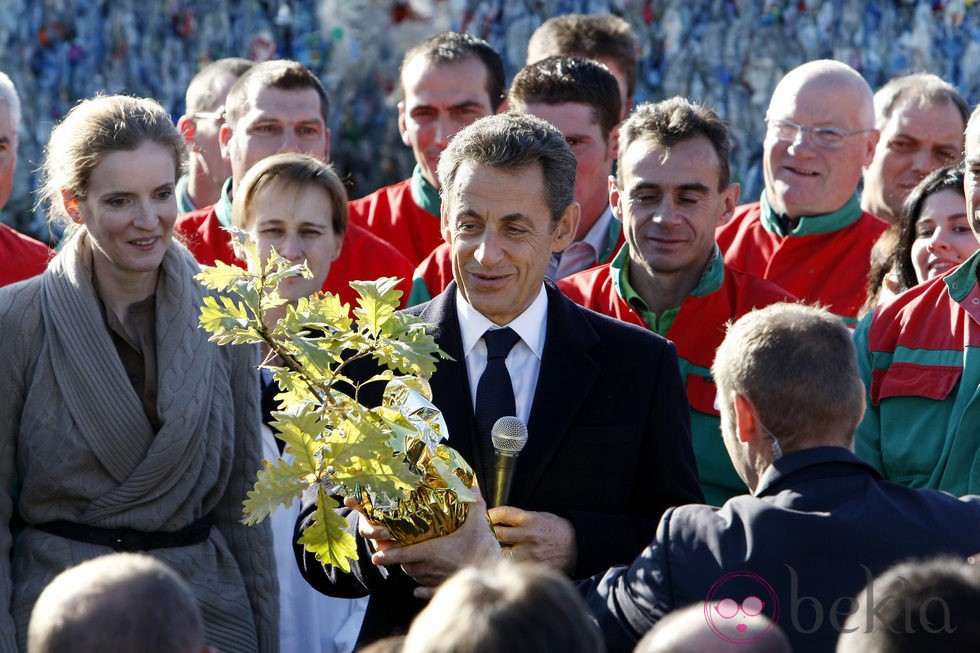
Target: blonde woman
[[121, 426]]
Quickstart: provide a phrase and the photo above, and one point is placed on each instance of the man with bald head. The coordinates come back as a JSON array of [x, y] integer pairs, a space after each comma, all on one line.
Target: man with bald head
[[919, 357], [807, 233], [921, 119], [21, 257]]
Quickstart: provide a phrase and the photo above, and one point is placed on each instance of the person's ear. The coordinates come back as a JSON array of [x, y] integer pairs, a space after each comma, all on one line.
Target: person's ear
[[564, 232], [615, 196], [403, 124], [224, 137], [187, 128], [729, 200], [871, 146], [70, 203], [746, 420]]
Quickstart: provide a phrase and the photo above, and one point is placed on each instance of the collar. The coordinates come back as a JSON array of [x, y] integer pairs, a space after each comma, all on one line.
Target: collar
[[425, 195], [812, 224], [962, 280], [184, 202], [222, 208], [710, 281], [796, 461], [529, 325], [598, 236]]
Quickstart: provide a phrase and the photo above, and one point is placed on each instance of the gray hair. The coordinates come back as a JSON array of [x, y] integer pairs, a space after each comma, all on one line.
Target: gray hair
[[8, 95], [117, 602], [926, 88], [512, 141]]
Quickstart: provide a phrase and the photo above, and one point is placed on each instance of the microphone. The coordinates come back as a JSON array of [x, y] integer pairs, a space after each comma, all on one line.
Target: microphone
[[509, 435]]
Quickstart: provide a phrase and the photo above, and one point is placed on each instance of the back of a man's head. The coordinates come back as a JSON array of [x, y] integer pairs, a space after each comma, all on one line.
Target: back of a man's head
[[688, 631], [797, 365], [917, 606], [119, 602], [505, 608]]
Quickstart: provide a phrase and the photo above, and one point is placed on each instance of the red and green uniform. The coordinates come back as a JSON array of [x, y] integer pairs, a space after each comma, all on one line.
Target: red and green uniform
[[362, 257], [697, 328], [824, 260], [21, 257], [919, 358], [434, 273], [406, 215]]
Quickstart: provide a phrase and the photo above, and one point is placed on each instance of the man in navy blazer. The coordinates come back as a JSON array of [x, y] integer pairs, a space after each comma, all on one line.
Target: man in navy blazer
[[609, 445], [820, 522]]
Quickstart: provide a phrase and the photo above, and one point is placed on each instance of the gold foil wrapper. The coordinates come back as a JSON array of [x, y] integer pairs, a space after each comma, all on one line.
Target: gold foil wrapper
[[438, 506]]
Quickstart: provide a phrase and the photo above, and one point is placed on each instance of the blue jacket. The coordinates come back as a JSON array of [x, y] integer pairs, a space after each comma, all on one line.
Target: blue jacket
[[820, 525]]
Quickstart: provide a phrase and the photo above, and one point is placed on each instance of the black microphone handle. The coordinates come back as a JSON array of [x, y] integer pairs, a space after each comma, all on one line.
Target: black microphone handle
[[503, 477]]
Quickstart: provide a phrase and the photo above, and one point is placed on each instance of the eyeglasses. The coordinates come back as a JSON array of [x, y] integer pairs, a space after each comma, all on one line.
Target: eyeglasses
[[788, 131], [217, 116], [751, 606]]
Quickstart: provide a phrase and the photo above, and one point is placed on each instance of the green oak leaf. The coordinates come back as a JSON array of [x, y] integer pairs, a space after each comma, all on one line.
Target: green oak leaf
[[327, 537], [278, 484]]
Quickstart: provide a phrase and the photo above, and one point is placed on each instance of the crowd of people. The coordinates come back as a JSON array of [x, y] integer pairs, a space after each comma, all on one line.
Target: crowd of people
[[741, 415]]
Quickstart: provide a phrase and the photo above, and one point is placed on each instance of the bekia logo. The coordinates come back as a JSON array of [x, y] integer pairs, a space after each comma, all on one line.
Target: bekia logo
[[736, 604]]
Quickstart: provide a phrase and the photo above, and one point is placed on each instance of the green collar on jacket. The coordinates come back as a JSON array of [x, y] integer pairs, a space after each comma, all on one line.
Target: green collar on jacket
[[812, 224]]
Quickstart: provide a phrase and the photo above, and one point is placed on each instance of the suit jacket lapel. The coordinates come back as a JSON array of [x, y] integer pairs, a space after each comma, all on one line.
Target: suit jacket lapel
[[567, 375]]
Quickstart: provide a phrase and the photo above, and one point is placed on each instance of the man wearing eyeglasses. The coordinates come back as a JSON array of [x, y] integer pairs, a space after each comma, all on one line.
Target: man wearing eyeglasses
[[807, 233], [200, 125]]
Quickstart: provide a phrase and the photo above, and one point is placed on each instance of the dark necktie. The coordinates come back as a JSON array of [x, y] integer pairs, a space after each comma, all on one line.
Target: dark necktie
[[494, 393]]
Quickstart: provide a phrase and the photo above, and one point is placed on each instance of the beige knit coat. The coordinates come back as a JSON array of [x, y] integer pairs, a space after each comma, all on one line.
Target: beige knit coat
[[75, 445]]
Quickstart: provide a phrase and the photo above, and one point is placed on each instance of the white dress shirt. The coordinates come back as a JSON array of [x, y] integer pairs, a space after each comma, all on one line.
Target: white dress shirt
[[524, 360]]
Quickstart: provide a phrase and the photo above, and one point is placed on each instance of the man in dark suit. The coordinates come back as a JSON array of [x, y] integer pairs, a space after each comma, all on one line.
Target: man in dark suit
[[820, 522], [609, 445]]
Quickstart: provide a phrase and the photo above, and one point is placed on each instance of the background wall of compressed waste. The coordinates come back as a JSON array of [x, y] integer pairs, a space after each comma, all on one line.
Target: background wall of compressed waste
[[727, 53]]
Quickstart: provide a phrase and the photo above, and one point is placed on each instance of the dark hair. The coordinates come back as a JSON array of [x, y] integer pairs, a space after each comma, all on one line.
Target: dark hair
[[943, 592], [557, 80], [279, 73], [678, 119], [512, 607], [512, 141], [882, 270], [202, 92], [455, 47], [935, 182], [588, 35]]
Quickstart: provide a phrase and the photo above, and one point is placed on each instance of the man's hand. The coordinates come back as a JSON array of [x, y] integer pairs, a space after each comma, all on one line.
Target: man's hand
[[538, 536], [377, 536], [432, 561]]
